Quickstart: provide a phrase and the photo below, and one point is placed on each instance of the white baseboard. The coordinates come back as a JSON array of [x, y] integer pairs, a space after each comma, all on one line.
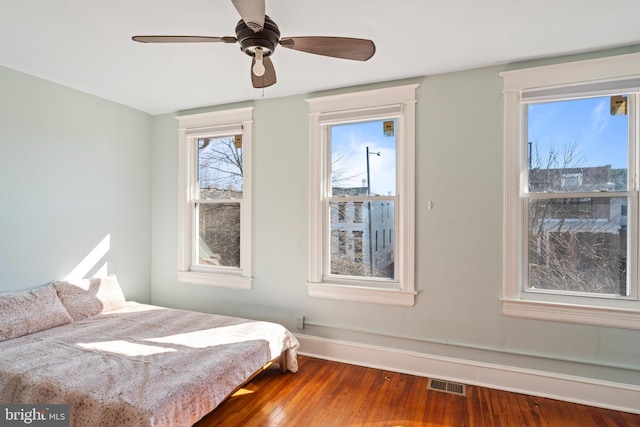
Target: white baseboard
[[586, 391]]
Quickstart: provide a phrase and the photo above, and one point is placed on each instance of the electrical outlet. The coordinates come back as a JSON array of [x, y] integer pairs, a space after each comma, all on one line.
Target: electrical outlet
[[300, 321]]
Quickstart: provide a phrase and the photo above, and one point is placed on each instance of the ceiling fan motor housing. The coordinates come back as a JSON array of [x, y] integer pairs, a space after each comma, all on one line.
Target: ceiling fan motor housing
[[267, 39]]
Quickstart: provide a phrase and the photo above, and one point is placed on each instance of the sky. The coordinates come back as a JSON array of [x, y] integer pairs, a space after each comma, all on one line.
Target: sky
[[349, 144], [601, 139]]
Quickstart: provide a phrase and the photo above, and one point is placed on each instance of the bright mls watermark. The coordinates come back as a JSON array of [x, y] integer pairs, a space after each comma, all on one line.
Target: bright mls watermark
[[34, 415]]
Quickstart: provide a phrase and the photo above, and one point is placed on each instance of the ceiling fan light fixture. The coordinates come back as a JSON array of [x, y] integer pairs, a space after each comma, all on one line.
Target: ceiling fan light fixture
[[258, 68]]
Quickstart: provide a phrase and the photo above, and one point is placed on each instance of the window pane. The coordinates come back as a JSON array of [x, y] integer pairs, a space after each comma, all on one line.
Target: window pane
[[353, 253], [220, 167], [578, 245], [577, 145], [363, 158], [219, 234]]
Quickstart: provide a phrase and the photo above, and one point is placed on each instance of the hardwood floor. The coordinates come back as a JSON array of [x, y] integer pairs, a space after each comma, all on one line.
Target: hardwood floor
[[325, 393]]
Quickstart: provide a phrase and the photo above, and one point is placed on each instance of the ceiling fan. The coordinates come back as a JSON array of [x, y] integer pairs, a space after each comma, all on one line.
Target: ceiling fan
[[258, 36]]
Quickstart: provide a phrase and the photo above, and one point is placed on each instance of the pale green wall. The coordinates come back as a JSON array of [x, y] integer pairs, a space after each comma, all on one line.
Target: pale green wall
[[458, 243], [74, 169]]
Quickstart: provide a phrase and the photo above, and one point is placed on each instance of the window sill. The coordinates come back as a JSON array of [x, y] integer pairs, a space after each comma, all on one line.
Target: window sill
[[362, 294], [218, 280], [570, 313]]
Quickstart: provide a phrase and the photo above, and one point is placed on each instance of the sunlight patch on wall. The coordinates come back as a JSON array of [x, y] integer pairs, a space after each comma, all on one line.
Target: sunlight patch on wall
[[90, 261]]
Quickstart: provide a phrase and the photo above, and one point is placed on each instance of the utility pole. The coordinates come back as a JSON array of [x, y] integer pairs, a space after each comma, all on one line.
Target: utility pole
[[369, 214]]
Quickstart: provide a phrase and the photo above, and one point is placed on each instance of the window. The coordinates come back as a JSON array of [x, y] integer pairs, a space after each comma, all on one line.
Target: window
[[215, 198], [357, 214], [571, 192], [362, 183]]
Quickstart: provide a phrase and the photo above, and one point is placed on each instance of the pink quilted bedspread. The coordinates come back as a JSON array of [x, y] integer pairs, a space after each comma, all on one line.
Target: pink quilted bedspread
[[141, 365]]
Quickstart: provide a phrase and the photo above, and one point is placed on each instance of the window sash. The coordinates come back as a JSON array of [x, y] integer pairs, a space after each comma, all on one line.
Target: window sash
[[633, 260], [347, 117], [525, 285], [196, 201], [633, 156], [195, 253]]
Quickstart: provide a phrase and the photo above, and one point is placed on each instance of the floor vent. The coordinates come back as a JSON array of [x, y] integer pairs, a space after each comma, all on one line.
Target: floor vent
[[447, 387]]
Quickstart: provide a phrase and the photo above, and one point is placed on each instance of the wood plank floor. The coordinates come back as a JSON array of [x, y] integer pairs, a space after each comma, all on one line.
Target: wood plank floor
[[325, 393]]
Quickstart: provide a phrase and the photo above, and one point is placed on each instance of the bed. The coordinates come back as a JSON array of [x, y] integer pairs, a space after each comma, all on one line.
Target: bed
[[121, 363]]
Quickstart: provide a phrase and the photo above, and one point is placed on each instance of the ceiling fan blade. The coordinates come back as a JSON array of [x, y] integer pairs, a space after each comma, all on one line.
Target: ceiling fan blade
[[252, 13], [337, 47], [269, 76], [183, 39]]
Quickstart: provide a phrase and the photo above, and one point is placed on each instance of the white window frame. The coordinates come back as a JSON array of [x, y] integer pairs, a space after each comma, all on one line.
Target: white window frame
[[345, 108], [561, 81], [190, 128]]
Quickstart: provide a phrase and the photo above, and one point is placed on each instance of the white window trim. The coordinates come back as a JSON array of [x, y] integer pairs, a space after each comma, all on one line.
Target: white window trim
[[589, 76], [211, 124], [342, 107]]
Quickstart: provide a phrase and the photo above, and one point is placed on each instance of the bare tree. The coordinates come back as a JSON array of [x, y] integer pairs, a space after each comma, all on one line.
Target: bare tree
[[220, 164], [579, 243]]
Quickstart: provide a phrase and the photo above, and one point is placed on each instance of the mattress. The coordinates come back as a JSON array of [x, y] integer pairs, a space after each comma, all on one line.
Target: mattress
[[140, 365]]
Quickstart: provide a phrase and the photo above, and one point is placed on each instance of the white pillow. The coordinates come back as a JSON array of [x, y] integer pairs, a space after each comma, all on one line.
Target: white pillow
[[23, 313], [88, 297]]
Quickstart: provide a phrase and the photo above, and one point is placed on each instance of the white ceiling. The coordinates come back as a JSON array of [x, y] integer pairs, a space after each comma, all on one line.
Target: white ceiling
[[86, 44]]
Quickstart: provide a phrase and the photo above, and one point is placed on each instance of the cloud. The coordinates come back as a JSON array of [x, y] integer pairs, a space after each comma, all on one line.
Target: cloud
[[599, 119]]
